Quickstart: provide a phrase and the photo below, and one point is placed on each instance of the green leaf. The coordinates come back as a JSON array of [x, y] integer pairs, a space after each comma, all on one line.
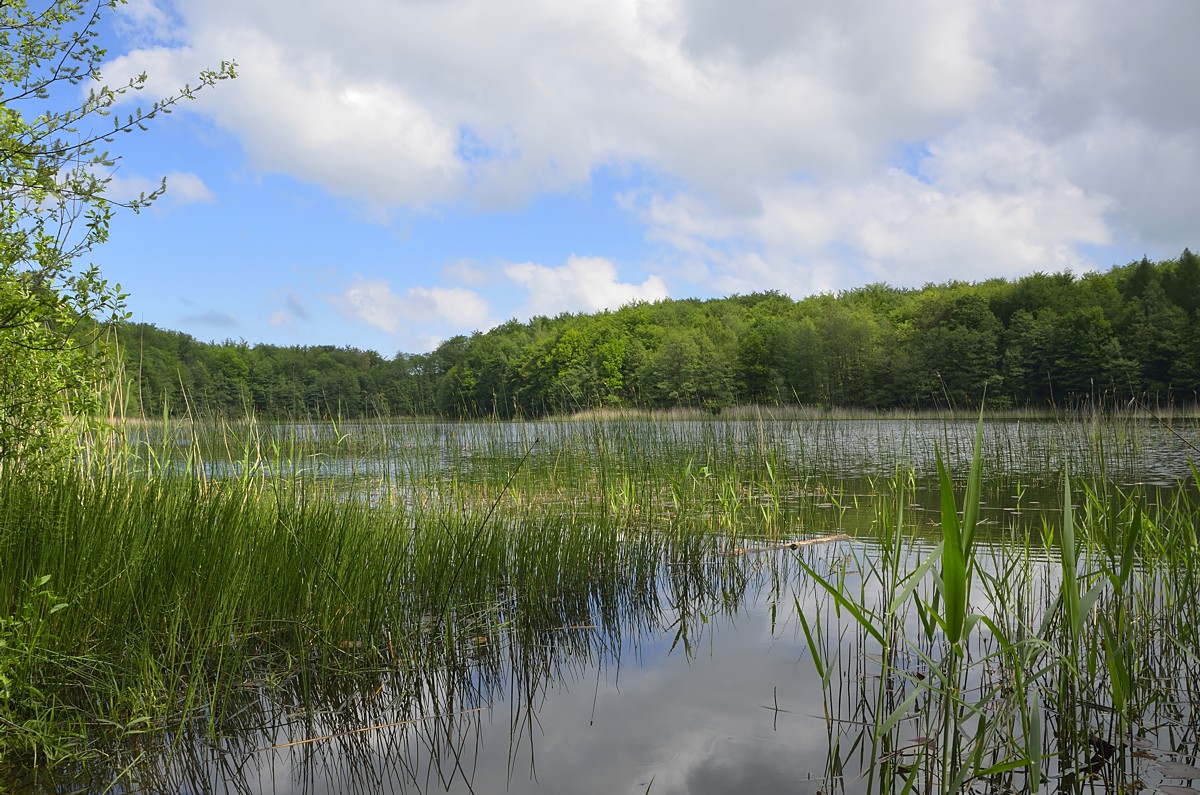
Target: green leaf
[[899, 712], [954, 568], [914, 579], [817, 652], [865, 620]]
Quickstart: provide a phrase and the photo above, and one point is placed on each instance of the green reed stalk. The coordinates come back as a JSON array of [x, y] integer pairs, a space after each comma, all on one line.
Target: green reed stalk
[[958, 563]]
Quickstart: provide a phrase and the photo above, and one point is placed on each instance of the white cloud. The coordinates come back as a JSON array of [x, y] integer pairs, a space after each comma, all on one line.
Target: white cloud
[[985, 202], [466, 308], [1149, 173], [303, 115], [187, 188], [124, 189], [145, 20], [373, 302], [182, 188], [583, 284], [781, 127], [372, 98], [467, 272]]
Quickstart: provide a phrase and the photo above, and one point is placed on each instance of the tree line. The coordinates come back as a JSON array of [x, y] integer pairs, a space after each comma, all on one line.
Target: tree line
[[1047, 339]]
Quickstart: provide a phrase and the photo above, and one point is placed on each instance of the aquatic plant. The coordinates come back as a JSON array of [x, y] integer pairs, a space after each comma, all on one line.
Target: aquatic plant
[[217, 570], [1049, 657]]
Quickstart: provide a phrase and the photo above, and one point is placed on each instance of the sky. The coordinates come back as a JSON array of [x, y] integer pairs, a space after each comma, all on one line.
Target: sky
[[386, 174]]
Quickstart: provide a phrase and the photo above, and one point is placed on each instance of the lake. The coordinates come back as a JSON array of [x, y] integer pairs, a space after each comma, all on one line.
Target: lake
[[794, 633]]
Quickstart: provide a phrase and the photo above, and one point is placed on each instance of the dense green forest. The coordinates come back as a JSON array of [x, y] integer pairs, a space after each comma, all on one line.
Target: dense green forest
[[1043, 340]]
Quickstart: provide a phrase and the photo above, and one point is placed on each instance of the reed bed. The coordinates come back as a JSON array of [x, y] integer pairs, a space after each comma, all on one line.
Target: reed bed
[[183, 580], [1063, 659]]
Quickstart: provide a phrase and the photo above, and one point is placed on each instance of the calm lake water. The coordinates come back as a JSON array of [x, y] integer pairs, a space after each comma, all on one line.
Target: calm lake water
[[729, 706], [703, 684]]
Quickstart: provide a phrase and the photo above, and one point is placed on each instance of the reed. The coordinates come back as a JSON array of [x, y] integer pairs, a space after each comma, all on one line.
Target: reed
[[1045, 658], [189, 561]]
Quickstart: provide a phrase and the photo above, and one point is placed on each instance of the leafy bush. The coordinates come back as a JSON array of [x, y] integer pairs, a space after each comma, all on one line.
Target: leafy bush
[[29, 726]]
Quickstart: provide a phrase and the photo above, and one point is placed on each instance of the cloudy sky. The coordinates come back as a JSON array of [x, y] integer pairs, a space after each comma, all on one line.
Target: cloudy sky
[[388, 173]]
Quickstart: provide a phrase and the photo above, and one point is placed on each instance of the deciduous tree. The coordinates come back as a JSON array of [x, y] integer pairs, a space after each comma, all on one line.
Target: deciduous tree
[[54, 167]]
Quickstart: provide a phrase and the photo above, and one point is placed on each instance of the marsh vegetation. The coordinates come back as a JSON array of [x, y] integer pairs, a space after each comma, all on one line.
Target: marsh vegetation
[[700, 604], [605, 604]]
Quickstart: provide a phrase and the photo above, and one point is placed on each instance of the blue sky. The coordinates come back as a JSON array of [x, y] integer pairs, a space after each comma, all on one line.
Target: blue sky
[[385, 174]]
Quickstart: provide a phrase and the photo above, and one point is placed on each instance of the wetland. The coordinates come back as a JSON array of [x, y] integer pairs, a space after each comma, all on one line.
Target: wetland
[[615, 604]]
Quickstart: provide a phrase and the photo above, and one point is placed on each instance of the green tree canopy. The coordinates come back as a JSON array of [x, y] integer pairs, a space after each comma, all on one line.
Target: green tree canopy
[[1041, 341], [54, 167]]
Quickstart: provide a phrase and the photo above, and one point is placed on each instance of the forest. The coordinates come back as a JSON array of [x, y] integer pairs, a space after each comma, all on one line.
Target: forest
[[1049, 340]]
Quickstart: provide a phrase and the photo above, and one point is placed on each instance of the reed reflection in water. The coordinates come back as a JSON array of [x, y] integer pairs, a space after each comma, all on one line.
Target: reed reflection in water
[[697, 683]]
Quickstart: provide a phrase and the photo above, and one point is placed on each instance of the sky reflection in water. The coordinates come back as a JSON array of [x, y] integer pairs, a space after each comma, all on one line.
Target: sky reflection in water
[[733, 707], [733, 704]]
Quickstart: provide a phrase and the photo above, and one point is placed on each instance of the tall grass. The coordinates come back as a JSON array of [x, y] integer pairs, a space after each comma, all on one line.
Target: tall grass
[[170, 579], [1060, 659], [196, 573]]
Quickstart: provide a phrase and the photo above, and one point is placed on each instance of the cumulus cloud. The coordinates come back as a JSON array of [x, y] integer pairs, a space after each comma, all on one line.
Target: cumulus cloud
[[779, 126], [583, 284], [372, 301], [984, 202], [186, 188], [1149, 174], [303, 115], [412, 103], [467, 272], [145, 21], [182, 188]]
